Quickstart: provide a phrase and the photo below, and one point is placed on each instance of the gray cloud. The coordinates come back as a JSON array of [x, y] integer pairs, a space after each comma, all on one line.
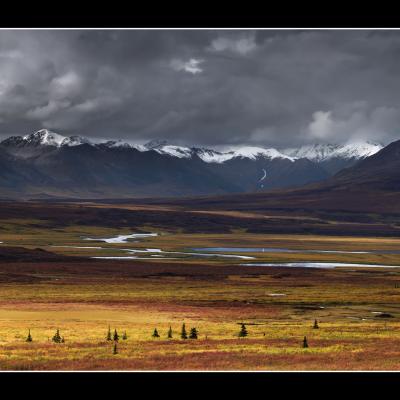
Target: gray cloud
[[203, 87]]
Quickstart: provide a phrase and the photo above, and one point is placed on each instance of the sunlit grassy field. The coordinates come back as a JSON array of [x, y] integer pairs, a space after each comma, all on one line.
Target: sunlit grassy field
[[277, 305]]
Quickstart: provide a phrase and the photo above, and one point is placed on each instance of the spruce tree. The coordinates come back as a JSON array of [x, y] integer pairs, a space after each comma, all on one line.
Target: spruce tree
[[243, 331], [109, 333], [315, 325], [57, 337], [116, 336], [29, 338], [183, 332], [155, 333], [305, 343], [124, 336], [115, 349], [193, 333], [170, 333]]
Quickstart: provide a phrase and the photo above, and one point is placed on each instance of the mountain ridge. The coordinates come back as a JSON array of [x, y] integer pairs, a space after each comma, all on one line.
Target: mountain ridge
[[316, 152]]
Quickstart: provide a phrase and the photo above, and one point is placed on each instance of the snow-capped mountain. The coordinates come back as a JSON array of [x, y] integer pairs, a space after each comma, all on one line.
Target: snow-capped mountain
[[315, 153], [324, 152], [252, 153], [335, 157], [44, 137], [213, 156], [41, 141], [257, 152], [47, 162]]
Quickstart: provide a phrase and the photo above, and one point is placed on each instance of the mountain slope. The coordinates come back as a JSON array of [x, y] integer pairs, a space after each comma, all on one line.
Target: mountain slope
[[381, 171], [101, 171]]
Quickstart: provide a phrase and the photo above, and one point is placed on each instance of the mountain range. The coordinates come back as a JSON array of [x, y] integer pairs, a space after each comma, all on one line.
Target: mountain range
[[369, 189], [46, 164]]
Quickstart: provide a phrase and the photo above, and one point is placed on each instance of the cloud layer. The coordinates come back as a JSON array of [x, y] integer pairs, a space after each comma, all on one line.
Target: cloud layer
[[203, 87]]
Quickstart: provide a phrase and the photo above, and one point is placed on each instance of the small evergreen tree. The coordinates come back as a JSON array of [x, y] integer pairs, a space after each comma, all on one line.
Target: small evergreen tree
[[155, 333], [57, 337], [183, 332], [243, 331], [305, 343], [193, 333], [315, 325], [116, 336], [109, 333], [124, 336], [115, 349], [170, 333], [62, 340], [29, 338]]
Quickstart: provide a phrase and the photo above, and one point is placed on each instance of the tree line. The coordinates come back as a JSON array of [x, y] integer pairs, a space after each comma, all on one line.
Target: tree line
[[193, 334]]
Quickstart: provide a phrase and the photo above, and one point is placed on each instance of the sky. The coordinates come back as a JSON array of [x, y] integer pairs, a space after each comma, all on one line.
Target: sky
[[275, 88]]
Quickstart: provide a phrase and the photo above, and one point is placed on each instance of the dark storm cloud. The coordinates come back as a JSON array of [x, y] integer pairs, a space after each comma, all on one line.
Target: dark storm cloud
[[202, 87]]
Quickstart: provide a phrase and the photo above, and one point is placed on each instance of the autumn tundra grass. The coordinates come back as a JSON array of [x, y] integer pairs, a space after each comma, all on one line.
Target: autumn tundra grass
[[356, 310], [357, 314]]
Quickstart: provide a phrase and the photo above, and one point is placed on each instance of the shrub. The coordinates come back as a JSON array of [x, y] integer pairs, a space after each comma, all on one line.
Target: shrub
[[193, 333], [169, 333], [109, 333], [243, 331], [29, 338], [57, 338], [183, 332], [155, 333], [315, 325], [305, 343]]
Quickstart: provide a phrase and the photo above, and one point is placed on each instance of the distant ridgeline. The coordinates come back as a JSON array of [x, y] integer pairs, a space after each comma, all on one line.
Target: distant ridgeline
[[46, 164]]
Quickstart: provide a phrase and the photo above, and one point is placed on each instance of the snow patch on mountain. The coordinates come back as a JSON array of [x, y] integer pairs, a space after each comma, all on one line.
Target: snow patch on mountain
[[175, 151], [213, 156], [122, 144], [163, 147]]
